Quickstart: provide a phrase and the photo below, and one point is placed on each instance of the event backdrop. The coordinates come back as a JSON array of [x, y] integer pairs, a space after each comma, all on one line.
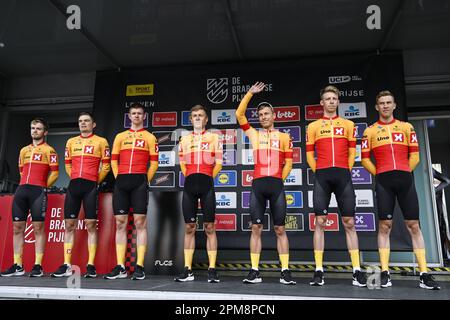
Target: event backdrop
[[168, 93]]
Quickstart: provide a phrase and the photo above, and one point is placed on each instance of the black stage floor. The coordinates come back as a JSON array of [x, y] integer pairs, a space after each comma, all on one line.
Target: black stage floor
[[337, 286]]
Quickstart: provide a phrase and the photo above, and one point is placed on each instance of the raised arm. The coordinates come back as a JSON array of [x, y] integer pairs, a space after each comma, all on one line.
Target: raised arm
[[240, 112]]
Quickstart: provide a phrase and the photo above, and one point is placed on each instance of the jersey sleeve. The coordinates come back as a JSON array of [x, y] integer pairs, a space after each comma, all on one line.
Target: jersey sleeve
[[52, 159], [218, 149], [153, 148], [413, 143], [366, 144], [310, 137], [352, 131], [288, 147], [21, 160], [181, 150]]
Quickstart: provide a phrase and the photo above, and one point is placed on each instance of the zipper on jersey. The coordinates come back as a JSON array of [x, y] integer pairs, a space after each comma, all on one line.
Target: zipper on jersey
[[29, 167], [392, 147], [332, 139], [132, 151], [198, 153], [268, 153], [82, 158]]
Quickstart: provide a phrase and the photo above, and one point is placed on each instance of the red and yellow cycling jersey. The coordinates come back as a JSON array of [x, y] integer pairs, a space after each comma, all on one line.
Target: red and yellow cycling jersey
[[334, 140], [200, 152], [394, 146], [133, 150], [35, 163], [83, 156], [272, 149]]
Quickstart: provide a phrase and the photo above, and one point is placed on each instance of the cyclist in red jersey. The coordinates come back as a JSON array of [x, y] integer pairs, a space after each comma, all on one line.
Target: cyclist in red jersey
[[200, 161], [132, 150], [333, 140], [395, 148], [87, 159], [38, 165], [272, 152]]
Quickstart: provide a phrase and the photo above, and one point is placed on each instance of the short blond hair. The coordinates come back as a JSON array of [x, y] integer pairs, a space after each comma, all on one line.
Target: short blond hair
[[384, 93], [198, 107], [332, 89]]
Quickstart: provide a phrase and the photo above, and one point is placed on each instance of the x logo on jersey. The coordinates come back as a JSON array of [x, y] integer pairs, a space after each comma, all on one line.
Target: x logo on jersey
[[37, 157], [89, 149], [139, 143], [276, 144], [413, 138], [107, 153], [364, 144], [205, 146], [53, 159], [398, 137], [339, 131], [66, 153]]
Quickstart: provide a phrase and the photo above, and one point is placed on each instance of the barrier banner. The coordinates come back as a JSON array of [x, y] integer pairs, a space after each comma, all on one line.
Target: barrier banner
[[168, 93], [54, 230]]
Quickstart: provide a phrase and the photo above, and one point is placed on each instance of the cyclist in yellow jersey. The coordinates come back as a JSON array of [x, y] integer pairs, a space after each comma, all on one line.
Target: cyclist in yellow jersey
[[87, 159], [38, 166], [132, 150], [272, 152], [395, 148]]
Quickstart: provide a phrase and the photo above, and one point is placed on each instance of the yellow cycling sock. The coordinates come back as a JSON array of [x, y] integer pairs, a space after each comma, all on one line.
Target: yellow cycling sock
[[384, 258], [421, 260], [120, 253], [284, 259], [318, 257], [254, 257], [141, 254], [92, 248], [354, 256], [68, 252], [188, 257], [212, 255]]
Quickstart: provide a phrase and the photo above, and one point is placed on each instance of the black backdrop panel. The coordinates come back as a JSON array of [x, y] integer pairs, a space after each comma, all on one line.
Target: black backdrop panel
[[293, 89]]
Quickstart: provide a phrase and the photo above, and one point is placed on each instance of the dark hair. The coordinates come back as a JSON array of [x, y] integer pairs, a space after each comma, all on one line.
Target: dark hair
[[85, 113], [136, 105], [263, 105], [384, 93], [42, 121]]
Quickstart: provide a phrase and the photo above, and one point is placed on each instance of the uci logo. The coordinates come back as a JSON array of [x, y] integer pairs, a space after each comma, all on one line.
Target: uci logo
[[164, 263]]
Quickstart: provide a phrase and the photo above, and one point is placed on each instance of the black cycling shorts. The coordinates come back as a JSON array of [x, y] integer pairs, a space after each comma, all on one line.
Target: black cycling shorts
[[81, 190], [272, 189], [398, 185], [199, 186], [337, 181], [29, 198], [130, 191]]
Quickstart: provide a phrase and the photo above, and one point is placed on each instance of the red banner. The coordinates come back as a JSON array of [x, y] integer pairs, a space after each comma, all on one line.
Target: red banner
[[54, 229]]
